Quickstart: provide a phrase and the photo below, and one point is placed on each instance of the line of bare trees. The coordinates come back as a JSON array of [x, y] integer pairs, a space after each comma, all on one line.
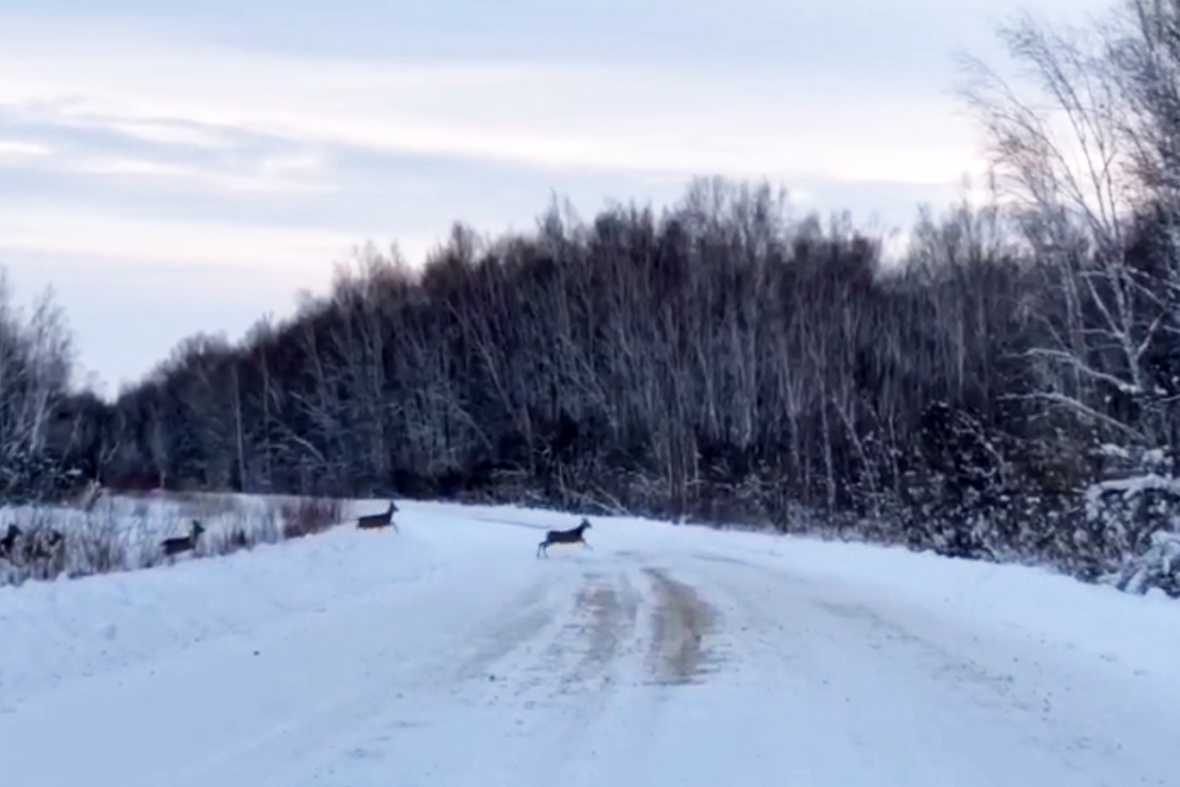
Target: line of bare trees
[[721, 360], [1091, 162], [728, 360], [36, 358]]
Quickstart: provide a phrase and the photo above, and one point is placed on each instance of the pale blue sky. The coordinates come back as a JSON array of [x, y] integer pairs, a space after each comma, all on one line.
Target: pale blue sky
[[172, 168]]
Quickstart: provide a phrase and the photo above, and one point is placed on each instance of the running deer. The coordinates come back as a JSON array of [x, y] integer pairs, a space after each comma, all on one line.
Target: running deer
[[46, 544], [173, 546], [44, 552], [575, 536], [8, 543], [90, 495], [371, 521]]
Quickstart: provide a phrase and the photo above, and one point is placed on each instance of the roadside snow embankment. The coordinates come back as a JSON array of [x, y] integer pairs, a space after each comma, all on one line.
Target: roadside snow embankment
[[54, 631]]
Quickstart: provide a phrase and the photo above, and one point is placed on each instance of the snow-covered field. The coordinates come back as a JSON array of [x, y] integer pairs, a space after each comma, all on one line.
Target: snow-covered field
[[123, 532], [447, 654]]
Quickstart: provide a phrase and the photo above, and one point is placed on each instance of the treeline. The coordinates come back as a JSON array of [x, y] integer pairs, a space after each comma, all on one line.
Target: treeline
[[36, 359], [719, 361], [647, 363], [724, 360]]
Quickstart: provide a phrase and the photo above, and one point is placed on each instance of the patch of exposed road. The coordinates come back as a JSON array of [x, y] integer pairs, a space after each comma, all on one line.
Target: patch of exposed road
[[609, 612], [601, 606], [681, 623], [597, 632]]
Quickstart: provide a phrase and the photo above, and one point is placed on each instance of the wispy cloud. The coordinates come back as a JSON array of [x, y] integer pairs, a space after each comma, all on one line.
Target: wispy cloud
[[278, 174], [168, 133], [160, 243], [15, 151], [547, 115]]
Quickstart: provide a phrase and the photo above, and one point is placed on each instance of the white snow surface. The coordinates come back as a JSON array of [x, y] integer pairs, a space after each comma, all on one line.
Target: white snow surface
[[448, 654]]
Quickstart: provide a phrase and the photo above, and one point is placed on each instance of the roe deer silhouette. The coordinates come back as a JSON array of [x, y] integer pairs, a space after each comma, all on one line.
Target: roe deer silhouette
[[173, 546], [45, 544], [371, 521], [575, 536], [8, 543], [89, 496]]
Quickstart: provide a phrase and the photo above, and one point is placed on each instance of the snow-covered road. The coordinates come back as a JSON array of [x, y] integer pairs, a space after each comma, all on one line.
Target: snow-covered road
[[447, 654]]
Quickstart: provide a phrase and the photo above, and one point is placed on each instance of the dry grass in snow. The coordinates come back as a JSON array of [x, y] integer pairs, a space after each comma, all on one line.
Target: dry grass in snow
[[124, 532]]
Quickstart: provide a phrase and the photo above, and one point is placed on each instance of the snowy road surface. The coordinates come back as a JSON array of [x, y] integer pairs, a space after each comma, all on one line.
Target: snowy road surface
[[449, 655]]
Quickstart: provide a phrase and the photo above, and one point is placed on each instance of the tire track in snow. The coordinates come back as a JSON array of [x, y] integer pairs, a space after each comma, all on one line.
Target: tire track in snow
[[604, 623], [562, 657], [606, 627], [681, 621]]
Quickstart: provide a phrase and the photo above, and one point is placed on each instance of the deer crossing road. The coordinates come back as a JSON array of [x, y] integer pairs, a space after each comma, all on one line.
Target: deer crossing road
[[448, 654]]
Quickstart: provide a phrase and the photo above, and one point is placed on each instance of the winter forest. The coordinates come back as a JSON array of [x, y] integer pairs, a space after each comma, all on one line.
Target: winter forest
[[1007, 389]]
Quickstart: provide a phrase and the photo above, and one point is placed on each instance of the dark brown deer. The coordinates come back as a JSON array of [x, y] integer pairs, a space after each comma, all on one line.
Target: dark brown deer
[[372, 521], [575, 536], [43, 552], [8, 543], [46, 545], [174, 546], [89, 496]]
